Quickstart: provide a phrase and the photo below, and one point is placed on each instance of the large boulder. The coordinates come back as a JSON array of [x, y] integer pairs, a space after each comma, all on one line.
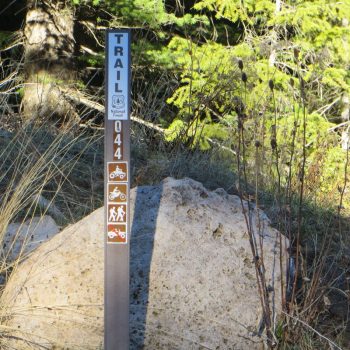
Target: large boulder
[[54, 299], [193, 283]]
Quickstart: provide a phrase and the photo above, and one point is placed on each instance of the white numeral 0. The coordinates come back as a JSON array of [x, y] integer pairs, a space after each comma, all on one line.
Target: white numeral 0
[[118, 126]]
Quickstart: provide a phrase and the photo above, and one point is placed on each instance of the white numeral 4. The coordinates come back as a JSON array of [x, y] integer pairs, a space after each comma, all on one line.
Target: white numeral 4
[[118, 153], [118, 140]]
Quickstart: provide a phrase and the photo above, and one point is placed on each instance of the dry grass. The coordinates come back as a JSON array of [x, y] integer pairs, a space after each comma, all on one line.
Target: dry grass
[[66, 169], [45, 171]]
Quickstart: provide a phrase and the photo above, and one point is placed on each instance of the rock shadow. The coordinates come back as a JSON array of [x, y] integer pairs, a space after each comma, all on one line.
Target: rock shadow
[[146, 201]]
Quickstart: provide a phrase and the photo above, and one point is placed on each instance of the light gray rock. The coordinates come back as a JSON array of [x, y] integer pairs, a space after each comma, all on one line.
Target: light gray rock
[[192, 279], [54, 298], [22, 238]]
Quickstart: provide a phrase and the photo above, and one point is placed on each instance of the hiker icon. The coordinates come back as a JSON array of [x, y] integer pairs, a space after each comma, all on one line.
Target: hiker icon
[[112, 214], [118, 172], [121, 213]]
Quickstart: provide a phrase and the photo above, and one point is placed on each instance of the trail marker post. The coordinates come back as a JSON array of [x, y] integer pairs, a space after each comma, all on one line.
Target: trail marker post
[[117, 187]]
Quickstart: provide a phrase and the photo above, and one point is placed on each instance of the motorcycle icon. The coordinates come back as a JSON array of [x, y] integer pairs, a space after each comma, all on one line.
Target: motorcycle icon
[[116, 193], [115, 233], [117, 173]]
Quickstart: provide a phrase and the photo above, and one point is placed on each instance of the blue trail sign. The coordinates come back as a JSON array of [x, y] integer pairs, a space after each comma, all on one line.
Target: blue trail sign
[[117, 187]]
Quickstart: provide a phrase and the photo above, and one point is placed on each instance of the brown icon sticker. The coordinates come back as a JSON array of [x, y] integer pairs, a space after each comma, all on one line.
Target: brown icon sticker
[[116, 213], [116, 233], [117, 171], [117, 193]]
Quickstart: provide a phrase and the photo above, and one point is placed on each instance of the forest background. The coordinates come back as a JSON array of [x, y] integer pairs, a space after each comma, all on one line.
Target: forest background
[[251, 96]]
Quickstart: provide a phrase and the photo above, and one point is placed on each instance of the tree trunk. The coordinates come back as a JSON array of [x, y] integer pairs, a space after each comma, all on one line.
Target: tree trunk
[[48, 60]]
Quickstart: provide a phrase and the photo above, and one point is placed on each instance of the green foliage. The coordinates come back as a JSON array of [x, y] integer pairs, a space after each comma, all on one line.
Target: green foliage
[[93, 60], [4, 37], [147, 53], [20, 92], [151, 13], [319, 30], [175, 130], [207, 76], [336, 77], [301, 47], [250, 11], [86, 2], [333, 174]]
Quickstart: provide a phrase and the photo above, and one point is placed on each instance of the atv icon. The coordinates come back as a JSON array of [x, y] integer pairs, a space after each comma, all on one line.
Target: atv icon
[[117, 173], [115, 233]]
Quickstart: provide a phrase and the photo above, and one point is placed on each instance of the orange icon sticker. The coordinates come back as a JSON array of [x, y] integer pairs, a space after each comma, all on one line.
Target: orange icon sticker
[[117, 193], [116, 233], [116, 213], [117, 171]]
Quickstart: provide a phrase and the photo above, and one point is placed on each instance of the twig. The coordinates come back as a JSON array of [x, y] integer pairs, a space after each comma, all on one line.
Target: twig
[[49, 207], [301, 195], [313, 329], [338, 126], [221, 146], [88, 126], [80, 98], [87, 25], [91, 52], [325, 108], [148, 124], [329, 130], [8, 78], [19, 43]]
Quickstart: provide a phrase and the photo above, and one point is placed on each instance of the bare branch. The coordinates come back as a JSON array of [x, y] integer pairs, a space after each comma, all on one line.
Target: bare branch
[[88, 25], [334, 345]]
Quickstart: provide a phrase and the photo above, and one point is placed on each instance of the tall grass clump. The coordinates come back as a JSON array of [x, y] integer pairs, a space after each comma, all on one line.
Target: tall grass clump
[[46, 171], [282, 160]]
